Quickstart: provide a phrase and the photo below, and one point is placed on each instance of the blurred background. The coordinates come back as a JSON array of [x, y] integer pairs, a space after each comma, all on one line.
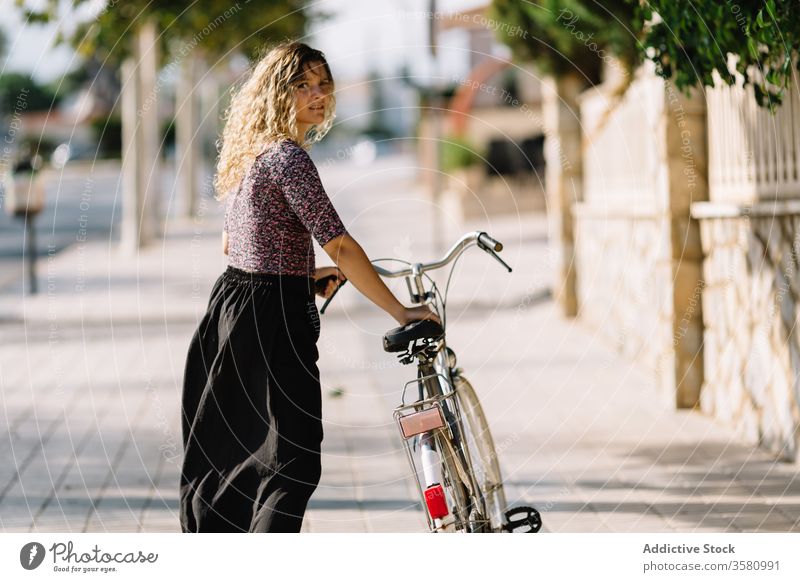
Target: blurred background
[[65, 87]]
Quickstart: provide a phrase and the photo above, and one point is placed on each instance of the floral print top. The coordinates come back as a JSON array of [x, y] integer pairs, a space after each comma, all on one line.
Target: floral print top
[[279, 205]]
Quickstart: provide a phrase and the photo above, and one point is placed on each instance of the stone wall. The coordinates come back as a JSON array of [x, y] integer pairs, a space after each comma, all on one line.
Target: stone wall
[[638, 251], [624, 287], [751, 302]]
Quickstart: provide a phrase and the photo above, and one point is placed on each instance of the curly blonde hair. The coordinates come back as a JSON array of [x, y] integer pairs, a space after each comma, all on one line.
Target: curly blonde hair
[[262, 112]]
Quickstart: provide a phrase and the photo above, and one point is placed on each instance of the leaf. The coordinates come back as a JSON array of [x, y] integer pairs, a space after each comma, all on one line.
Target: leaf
[[773, 76], [771, 8], [752, 48]]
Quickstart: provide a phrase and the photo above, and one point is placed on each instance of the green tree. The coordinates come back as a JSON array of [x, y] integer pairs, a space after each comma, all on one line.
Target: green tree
[[689, 40], [213, 27], [19, 92], [569, 36]]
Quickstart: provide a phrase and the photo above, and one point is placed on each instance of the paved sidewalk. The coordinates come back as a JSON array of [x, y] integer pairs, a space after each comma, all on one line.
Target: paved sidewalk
[[91, 380]]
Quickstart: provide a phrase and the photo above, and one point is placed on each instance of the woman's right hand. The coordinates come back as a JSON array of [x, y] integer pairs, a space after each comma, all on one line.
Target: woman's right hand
[[348, 255], [410, 314]]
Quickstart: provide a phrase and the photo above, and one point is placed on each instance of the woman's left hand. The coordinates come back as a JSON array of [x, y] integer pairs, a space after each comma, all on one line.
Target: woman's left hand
[[323, 272]]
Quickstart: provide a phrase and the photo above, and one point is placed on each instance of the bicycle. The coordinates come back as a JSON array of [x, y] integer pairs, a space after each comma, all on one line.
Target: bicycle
[[445, 429]]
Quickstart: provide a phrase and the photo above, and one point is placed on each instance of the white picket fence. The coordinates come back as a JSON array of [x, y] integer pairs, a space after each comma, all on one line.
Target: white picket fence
[[753, 154]]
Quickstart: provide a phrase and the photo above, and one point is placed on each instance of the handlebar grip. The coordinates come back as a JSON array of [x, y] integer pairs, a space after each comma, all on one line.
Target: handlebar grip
[[329, 299], [489, 242]]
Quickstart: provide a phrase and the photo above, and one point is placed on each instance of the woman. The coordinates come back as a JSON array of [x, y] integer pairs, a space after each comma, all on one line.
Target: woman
[[251, 397]]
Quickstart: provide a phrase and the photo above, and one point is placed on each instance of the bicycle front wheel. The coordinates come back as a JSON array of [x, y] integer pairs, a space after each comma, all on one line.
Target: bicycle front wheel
[[477, 439]]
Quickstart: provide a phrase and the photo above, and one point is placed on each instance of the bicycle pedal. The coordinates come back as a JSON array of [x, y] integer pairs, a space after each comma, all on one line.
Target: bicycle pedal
[[523, 516]]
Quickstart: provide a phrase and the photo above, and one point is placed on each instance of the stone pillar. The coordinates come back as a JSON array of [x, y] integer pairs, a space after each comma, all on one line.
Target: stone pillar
[[563, 180], [188, 136], [212, 103], [131, 237], [150, 177], [686, 166]]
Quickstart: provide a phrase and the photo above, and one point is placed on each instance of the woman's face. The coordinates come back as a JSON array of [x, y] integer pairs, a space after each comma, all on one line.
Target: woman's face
[[311, 95]]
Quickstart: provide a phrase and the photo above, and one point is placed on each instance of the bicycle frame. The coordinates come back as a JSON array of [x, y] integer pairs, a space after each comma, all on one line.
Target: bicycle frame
[[436, 392], [434, 419]]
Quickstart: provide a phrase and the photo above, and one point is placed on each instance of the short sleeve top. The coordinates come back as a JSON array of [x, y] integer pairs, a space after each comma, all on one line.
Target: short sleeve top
[[279, 206]]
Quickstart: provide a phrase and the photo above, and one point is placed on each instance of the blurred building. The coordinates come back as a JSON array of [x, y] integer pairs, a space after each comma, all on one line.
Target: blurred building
[[491, 129]]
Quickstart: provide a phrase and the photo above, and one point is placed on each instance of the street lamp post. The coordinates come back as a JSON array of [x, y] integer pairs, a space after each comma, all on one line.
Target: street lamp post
[[24, 200]]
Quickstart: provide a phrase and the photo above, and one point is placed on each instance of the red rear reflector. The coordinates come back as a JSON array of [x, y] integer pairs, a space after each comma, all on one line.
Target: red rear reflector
[[436, 502]]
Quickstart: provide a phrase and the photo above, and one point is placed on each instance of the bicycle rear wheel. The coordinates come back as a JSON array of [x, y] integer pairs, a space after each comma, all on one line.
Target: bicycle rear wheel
[[476, 438]]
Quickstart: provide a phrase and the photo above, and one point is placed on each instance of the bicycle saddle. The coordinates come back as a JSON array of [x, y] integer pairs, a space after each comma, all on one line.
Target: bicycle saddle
[[397, 339]]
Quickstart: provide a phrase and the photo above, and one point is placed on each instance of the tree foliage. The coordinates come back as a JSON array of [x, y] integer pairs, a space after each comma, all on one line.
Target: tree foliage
[[20, 93], [213, 27], [687, 39], [690, 39], [568, 36]]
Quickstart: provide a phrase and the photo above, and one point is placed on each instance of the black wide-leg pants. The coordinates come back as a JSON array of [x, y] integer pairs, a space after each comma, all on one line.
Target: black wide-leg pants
[[251, 407]]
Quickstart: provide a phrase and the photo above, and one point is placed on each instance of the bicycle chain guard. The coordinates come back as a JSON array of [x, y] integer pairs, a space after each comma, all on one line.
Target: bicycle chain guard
[[523, 516]]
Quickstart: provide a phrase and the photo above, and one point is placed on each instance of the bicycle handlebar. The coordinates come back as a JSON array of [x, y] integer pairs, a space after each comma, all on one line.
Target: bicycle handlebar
[[490, 242], [483, 240]]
